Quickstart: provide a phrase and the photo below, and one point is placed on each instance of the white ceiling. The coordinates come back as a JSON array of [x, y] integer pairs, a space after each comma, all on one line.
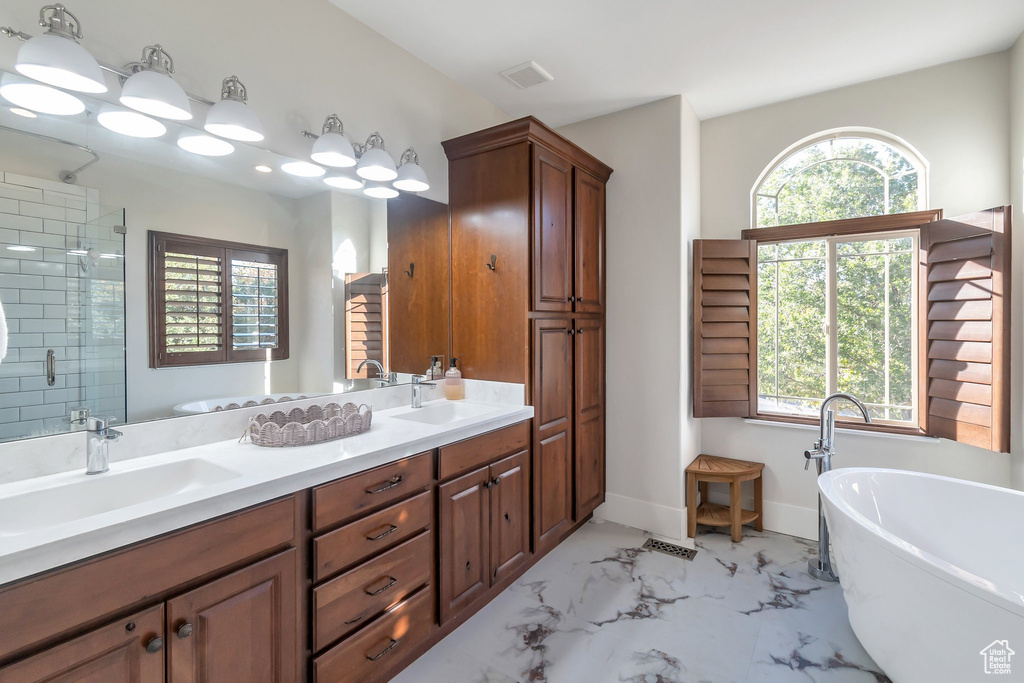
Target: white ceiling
[[723, 55]]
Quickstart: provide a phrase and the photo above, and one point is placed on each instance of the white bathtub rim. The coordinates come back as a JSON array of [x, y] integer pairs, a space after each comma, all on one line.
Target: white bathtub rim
[[941, 569]]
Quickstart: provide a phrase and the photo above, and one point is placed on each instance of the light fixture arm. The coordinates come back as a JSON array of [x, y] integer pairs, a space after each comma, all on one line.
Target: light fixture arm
[[58, 19], [154, 58], [233, 89], [409, 156], [333, 124], [375, 140]]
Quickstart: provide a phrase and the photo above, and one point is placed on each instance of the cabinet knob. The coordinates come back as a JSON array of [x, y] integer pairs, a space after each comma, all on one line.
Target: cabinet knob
[[579, 331], [496, 481], [184, 631], [572, 331], [488, 484], [571, 299], [154, 645], [579, 299]]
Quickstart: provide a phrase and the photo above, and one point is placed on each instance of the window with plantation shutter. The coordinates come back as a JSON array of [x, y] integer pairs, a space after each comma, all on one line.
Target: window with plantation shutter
[[216, 302]]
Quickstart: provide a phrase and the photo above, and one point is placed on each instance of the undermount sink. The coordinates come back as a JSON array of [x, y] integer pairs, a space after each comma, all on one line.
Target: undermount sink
[[86, 496], [443, 413]]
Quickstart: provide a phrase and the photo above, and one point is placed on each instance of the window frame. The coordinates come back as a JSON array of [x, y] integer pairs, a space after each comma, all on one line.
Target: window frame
[[227, 251], [887, 223]]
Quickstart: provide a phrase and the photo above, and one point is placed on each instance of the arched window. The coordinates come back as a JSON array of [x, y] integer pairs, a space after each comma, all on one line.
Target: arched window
[[846, 173]]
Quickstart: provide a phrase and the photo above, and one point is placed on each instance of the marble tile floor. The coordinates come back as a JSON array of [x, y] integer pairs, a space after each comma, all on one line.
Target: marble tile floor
[[600, 608]]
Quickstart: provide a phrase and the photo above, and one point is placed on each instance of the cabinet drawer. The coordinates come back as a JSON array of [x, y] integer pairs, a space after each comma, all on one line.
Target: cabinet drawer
[[345, 498], [466, 455], [371, 653], [357, 540], [345, 603]]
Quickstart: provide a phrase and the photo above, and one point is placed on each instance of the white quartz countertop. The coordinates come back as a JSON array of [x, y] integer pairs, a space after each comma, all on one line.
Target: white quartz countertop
[[244, 475]]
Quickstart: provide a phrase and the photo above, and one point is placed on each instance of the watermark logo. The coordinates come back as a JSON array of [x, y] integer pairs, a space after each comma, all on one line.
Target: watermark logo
[[997, 657]]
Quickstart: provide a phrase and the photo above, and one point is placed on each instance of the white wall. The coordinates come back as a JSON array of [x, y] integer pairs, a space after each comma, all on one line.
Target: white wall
[[652, 217], [1017, 197], [957, 116]]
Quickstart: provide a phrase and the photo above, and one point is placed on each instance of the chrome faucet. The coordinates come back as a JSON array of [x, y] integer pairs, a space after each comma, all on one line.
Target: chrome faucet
[[383, 378], [99, 435], [824, 449], [417, 390]]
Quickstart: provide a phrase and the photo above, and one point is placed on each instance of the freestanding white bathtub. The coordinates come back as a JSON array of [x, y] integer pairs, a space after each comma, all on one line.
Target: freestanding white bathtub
[[932, 570]]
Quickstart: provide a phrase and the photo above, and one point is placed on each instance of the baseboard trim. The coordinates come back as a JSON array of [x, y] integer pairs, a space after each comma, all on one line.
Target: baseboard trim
[[660, 520], [791, 519]]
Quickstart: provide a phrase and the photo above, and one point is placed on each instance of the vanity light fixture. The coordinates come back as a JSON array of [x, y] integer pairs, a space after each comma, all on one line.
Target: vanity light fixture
[[332, 148], [346, 180], [231, 118], [379, 191], [56, 57], [262, 168], [375, 162], [411, 176], [130, 123], [151, 90], [206, 145], [302, 169], [18, 111], [39, 98]]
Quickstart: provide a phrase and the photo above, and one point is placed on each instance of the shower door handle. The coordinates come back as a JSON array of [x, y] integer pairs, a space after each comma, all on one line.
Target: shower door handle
[[51, 368]]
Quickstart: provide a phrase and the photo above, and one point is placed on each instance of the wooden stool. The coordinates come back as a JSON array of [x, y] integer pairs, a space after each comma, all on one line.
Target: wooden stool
[[709, 468]]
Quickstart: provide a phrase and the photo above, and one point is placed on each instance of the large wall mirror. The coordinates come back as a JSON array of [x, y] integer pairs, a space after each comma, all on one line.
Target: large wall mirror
[[268, 286]]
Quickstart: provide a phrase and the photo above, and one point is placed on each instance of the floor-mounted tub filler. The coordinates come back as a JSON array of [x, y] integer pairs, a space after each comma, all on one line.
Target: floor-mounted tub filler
[[932, 570]]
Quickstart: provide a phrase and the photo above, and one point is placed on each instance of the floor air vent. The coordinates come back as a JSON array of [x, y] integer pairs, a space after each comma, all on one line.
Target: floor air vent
[[670, 549]]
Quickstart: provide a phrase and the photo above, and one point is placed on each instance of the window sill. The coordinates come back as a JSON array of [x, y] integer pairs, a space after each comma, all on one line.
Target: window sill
[[849, 430]]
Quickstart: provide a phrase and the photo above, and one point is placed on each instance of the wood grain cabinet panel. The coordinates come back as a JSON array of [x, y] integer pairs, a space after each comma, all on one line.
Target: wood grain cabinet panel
[[590, 249], [553, 425], [464, 534], [116, 653], [345, 498], [242, 627], [588, 454], [510, 514], [552, 232]]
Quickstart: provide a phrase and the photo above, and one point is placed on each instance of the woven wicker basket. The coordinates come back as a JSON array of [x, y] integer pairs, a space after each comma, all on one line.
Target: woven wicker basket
[[315, 424]]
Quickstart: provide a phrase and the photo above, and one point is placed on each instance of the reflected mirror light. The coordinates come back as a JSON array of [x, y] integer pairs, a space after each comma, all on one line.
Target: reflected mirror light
[[302, 169], [20, 247], [380, 192], [131, 123], [18, 111], [206, 145], [40, 98]]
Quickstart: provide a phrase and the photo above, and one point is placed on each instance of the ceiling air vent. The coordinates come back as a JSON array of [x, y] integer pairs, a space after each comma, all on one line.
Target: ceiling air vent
[[527, 75]]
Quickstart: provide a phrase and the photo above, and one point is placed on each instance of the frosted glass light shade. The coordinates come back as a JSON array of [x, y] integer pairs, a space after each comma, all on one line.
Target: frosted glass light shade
[[130, 123], [333, 149], [380, 191], [232, 119], [376, 164], [156, 94], [411, 178], [62, 62], [206, 145], [38, 97]]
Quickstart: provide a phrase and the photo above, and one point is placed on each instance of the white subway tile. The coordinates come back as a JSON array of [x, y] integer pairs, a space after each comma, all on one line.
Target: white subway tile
[[16, 341], [22, 398], [41, 411], [12, 281], [56, 396], [9, 415], [42, 268], [76, 216], [10, 265], [51, 339], [43, 211], [38, 383], [55, 227], [10, 296], [41, 239], [55, 283], [20, 369], [41, 296], [15, 192], [40, 183], [30, 223], [36, 325], [24, 311], [8, 205]]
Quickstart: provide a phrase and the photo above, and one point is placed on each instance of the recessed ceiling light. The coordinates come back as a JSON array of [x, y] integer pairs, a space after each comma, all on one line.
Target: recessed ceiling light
[[262, 168], [18, 111], [207, 145], [131, 123], [380, 192], [303, 169], [20, 247], [40, 98]]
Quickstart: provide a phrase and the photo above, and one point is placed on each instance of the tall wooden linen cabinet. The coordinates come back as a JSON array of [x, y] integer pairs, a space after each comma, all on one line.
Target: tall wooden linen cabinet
[[528, 299]]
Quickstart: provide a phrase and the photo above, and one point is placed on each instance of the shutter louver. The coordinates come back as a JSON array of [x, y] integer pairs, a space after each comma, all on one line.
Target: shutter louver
[[724, 328], [192, 304], [965, 346]]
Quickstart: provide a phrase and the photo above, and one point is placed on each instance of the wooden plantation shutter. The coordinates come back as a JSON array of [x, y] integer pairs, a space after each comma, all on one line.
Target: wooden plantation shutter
[[724, 328], [215, 302], [964, 353]]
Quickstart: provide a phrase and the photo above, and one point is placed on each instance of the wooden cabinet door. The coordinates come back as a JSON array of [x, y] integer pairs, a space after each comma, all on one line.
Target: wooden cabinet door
[[242, 627], [589, 417], [552, 232], [464, 539], [590, 230], [126, 651], [553, 425], [510, 514]]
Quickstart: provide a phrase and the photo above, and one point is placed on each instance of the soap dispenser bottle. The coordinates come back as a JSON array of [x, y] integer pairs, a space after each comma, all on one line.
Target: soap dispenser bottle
[[454, 387]]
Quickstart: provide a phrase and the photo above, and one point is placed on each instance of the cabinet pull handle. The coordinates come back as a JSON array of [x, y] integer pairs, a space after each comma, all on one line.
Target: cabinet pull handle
[[389, 484], [184, 631], [392, 529], [389, 648], [496, 481], [383, 588], [352, 621], [155, 645]]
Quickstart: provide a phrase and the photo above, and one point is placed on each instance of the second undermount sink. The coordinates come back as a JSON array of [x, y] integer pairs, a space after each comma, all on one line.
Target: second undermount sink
[[444, 412], [85, 496]]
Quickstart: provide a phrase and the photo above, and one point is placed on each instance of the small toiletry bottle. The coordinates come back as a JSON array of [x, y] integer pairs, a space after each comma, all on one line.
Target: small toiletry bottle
[[454, 387]]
